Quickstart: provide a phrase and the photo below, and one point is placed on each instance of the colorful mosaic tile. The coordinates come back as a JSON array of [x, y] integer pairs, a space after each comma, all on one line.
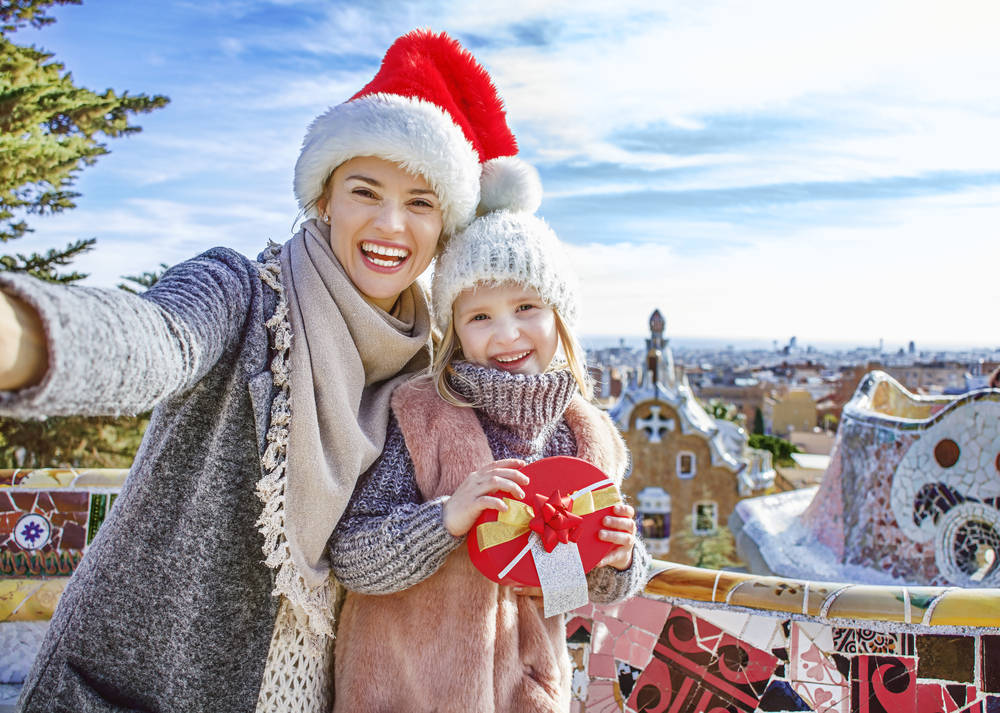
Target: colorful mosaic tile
[[49, 517], [717, 658], [865, 641], [697, 641], [696, 666]]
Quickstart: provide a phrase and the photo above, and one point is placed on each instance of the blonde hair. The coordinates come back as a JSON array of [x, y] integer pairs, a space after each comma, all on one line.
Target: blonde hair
[[447, 349]]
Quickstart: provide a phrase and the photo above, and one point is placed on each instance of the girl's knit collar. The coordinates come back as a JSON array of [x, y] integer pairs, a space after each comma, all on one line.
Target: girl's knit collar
[[525, 402]]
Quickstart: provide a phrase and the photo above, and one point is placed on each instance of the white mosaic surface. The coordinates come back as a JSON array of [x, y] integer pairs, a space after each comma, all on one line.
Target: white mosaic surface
[[975, 427]]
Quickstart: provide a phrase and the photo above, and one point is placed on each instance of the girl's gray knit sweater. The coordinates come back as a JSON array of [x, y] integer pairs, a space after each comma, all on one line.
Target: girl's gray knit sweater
[[389, 540]]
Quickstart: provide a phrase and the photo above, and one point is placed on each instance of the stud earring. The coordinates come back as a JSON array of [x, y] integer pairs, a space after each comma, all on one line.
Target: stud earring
[[326, 219]]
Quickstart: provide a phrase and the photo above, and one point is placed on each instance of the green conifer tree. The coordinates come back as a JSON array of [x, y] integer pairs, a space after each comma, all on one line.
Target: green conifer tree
[[50, 129]]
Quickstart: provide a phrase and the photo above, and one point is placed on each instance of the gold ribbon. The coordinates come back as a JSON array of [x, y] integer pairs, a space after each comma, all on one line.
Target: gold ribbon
[[513, 522]]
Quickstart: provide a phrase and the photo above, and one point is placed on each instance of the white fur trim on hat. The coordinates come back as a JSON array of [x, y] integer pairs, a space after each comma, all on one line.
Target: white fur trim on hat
[[509, 183], [412, 132], [499, 247]]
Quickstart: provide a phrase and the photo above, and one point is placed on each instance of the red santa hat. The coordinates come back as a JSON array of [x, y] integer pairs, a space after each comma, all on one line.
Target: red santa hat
[[432, 109]]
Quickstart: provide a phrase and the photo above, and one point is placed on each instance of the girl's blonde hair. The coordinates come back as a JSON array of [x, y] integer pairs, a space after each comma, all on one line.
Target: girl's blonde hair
[[448, 349]]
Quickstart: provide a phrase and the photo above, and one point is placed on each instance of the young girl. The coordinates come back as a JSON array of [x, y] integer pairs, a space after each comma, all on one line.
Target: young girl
[[441, 636]]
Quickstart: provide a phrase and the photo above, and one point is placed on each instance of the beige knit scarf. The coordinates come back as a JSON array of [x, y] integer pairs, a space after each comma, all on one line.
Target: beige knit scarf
[[347, 356]]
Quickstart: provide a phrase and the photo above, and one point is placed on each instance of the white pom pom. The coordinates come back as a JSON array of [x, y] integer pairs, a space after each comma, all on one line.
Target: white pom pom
[[509, 183]]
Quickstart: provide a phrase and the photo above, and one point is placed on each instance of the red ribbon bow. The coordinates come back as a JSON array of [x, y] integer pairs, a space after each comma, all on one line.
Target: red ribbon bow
[[554, 520]]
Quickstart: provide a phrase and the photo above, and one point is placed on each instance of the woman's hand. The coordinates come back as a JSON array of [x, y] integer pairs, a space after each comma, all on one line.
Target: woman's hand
[[24, 356], [473, 496], [621, 532]]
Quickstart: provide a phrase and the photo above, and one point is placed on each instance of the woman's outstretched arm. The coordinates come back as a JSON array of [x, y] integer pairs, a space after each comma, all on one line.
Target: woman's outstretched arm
[[84, 350]]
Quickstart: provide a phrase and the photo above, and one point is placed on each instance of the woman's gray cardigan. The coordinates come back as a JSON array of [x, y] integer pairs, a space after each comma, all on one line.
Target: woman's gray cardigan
[[171, 609]]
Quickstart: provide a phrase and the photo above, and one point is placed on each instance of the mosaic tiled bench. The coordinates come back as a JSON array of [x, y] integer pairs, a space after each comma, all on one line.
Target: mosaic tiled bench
[[696, 641]]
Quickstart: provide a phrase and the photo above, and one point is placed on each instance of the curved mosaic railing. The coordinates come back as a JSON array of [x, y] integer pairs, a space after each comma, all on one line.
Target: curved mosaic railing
[[697, 640]]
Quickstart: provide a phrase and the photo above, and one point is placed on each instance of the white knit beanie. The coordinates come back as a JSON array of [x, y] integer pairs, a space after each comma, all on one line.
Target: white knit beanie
[[504, 246]]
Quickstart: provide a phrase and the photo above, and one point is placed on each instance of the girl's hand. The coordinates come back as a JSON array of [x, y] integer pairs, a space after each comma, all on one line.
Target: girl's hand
[[622, 532], [473, 496]]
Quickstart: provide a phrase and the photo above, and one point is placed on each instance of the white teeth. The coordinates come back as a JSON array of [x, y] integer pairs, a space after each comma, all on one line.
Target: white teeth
[[384, 263], [508, 359], [401, 253]]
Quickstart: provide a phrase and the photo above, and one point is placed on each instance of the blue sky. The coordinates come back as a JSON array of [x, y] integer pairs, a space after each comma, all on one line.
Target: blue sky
[[825, 170]]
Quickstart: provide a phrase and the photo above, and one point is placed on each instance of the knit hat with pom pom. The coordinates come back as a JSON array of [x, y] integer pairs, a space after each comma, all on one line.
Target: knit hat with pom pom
[[500, 247], [432, 109]]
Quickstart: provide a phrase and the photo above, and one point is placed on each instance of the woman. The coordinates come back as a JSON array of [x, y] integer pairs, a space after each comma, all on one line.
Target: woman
[[271, 383]]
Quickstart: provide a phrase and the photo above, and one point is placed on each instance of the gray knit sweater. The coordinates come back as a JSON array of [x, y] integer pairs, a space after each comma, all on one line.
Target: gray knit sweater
[[389, 540]]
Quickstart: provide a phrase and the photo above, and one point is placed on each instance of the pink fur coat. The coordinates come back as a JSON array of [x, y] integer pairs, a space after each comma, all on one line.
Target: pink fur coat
[[457, 641]]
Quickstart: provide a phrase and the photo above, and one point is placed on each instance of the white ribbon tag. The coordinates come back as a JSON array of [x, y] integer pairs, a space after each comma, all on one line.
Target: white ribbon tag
[[561, 575]]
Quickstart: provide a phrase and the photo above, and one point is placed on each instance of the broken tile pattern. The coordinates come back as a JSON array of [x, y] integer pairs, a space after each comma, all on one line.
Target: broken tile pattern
[[47, 520], [42, 532], [737, 661]]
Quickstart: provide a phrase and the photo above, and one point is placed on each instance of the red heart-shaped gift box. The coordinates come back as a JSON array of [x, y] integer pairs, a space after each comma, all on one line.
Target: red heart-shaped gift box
[[560, 475]]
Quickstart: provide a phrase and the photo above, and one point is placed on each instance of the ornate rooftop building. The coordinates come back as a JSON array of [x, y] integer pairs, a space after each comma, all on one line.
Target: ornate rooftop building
[[688, 468]]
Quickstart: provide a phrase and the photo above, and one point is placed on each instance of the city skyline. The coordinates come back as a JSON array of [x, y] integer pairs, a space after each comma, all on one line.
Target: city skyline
[[825, 171]]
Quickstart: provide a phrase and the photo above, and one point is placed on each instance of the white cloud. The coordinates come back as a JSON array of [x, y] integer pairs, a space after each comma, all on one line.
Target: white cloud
[[930, 275]]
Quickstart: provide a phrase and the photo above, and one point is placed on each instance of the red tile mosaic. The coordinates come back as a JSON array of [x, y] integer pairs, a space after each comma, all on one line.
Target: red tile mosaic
[[74, 537], [990, 663], [978, 707], [646, 614], [943, 698], [883, 684], [602, 698], [698, 667], [578, 627], [602, 666], [44, 504], [71, 502], [24, 502], [5, 502]]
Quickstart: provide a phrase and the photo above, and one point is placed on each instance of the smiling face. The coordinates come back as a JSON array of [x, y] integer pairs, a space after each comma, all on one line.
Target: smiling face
[[384, 226], [506, 327]]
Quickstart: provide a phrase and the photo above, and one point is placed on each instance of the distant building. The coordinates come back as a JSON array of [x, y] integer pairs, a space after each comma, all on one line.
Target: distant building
[[930, 378], [747, 398], [688, 469], [794, 410]]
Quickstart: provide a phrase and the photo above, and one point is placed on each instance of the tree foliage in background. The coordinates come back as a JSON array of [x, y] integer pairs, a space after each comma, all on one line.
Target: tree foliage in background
[[143, 281], [717, 408], [50, 129], [758, 422], [780, 448]]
